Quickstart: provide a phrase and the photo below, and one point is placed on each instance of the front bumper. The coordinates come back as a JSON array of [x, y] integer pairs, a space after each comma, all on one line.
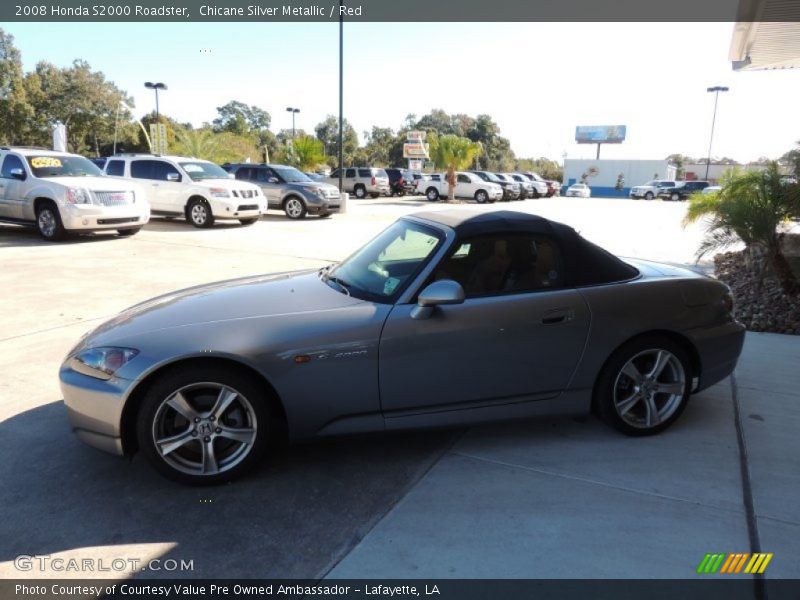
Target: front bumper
[[238, 208], [91, 217], [94, 408]]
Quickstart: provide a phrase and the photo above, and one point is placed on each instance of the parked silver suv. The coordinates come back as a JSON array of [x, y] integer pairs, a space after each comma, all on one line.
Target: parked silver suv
[[288, 189], [361, 181]]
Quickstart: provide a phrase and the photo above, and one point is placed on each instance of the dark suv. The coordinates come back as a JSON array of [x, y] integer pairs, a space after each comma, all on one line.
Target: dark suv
[[682, 190]]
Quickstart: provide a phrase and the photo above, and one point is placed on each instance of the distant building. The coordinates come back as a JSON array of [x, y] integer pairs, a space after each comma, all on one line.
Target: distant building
[[697, 171], [602, 175]]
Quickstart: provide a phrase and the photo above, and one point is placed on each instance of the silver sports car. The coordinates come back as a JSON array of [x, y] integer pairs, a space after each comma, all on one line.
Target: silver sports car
[[445, 318]]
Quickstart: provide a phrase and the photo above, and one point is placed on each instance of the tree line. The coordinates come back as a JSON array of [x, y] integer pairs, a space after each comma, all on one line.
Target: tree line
[[96, 112]]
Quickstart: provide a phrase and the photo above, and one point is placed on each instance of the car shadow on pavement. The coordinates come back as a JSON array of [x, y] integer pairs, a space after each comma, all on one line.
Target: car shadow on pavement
[[294, 517], [15, 236]]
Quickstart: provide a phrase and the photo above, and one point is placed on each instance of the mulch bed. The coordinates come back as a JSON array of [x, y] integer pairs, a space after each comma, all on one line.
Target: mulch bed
[[760, 305]]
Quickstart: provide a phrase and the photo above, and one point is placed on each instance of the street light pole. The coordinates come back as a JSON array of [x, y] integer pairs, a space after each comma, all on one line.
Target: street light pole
[[294, 111], [156, 86], [716, 89], [341, 95]]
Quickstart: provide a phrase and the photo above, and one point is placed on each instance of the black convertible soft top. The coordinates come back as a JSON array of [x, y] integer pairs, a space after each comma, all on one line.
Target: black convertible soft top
[[584, 262]]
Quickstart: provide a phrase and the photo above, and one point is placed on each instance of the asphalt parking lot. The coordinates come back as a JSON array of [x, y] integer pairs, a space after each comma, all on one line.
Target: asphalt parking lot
[[490, 501]]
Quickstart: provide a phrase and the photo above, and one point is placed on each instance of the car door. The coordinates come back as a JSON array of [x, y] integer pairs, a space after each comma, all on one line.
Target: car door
[[271, 184], [349, 181], [145, 169], [517, 336], [12, 188], [172, 186], [465, 188]]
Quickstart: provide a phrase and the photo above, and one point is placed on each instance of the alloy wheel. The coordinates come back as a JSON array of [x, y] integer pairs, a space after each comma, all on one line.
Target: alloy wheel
[[294, 208], [649, 388], [47, 222], [199, 214], [204, 429]]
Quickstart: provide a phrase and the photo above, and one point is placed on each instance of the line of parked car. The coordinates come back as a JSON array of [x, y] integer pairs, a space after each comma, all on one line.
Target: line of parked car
[[670, 190], [61, 193]]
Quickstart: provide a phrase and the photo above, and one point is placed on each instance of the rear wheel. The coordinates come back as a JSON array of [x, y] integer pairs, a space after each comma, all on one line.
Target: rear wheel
[[203, 425], [360, 191], [199, 213], [48, 222], [675, 196], [128, 232], [374, 195], [644, 386], [432, 194]]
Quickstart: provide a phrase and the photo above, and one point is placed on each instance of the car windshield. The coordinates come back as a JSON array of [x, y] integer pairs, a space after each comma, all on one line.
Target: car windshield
[[380, 270], [62, 165], [199, 170], [489, 177], [291, 175], [500, 177], [380, 173]]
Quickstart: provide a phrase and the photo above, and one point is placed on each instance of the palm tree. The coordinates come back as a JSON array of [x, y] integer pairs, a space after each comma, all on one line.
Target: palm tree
[[199, 143], [749, 208], [454, 151]]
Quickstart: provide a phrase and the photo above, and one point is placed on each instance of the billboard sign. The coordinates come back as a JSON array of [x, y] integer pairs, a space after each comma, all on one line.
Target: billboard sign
[[415, 150], [600, 134], [415, 164], [415, 136], [158, 138]]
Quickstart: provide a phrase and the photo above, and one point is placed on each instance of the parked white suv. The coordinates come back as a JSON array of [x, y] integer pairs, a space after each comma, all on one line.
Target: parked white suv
[[468, 185], [190, 187], [61, 193], [650, 190], [361, 181]]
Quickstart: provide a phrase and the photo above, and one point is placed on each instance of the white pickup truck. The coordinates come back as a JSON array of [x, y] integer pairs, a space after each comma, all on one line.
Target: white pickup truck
[[468, 185]]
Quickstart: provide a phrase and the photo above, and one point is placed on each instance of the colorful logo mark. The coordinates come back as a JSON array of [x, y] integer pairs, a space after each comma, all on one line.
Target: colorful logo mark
[[735, 562]]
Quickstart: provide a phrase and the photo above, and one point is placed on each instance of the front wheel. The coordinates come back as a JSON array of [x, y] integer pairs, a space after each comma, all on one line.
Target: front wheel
[[294, 208], [675, 196], [481, 196], [644, 386], [48, 223], [203, 425], [199, 213]]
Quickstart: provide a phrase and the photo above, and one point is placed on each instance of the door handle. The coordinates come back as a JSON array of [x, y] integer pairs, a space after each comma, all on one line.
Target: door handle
[[559, 315]]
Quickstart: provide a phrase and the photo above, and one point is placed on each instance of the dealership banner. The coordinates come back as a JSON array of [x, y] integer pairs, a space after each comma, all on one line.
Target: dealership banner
[[707, 588], [412, 11]]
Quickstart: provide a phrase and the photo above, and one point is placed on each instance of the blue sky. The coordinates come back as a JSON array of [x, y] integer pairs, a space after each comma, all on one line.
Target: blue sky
[[538, 80]]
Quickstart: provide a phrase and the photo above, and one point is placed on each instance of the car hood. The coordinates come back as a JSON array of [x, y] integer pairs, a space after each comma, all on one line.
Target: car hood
[[261, 296], [314, 184], [93, 183]]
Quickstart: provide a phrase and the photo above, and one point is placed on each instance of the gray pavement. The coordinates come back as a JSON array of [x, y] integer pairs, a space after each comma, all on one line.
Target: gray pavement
[[543, 498]]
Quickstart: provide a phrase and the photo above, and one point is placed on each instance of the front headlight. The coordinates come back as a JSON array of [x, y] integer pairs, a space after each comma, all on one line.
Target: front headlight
[[78, 196], [315, 190], [220, 193], [102, 362]]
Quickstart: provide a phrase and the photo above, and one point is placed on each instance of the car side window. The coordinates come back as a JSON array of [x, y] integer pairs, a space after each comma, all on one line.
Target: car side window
[[463, 178], [10, 163], [364, 173], [115, 168], [163, 169], [143, 169], [503, 264], [244, 174], [350, 173]]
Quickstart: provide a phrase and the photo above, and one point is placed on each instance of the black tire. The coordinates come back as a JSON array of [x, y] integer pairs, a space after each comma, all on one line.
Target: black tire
[[324, 215], [295, 208], [151, 418], [374, 195], [360, 192], [401, 193], [432, 194], [613, 382], [648, 196], [48, 222], [198, 213], [481, 197], [129, 232], [674, 196], [249, 221]]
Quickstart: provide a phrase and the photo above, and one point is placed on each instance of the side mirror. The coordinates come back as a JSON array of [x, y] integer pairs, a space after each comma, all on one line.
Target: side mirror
[[18, 174], [173, 177], [439, 293]]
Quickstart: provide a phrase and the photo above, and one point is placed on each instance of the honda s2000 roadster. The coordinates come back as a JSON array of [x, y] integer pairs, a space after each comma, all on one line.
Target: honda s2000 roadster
[[445, 318]]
